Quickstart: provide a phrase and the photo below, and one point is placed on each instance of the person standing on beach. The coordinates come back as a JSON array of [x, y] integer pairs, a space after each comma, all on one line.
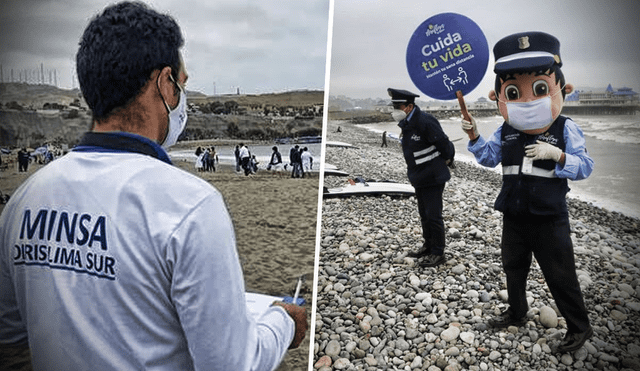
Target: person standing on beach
[[292, 155], [213, 159], [205, 159], [384, 139], [236, 152], [245, 159], [307, 160], [23, 160], [539, 150], [295, 157], [200, 162], [111, 258], [276, 159], [427, 151]]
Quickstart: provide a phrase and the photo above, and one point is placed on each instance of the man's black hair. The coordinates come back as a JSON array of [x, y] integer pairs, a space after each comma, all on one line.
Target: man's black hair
[[118, 51], [553, 69]]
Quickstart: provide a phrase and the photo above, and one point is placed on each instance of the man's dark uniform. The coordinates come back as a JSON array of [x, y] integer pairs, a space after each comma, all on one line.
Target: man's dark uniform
[[427, 150]]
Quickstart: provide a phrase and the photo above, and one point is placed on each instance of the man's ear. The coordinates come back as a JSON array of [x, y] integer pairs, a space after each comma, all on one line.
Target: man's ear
[[166, 86], [493, 96]]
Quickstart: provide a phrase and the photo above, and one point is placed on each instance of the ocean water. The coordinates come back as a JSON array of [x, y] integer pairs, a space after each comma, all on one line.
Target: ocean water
[[612, 141]]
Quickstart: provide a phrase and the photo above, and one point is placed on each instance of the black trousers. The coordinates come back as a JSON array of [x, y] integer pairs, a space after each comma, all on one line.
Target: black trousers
[[550, 242], [430, 210], [23, 164], [246, 166]]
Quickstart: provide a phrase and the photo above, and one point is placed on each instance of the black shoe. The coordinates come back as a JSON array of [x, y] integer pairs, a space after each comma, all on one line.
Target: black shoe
[[574, 341], [422, 251], [507, 319], [433, 260]]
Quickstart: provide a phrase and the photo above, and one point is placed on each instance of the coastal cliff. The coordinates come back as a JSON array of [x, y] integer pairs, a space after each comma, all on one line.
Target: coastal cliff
[[31, 115]]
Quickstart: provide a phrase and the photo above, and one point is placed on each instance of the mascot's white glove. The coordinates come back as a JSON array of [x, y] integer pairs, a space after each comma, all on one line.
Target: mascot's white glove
[[470, 128], [543, 151]]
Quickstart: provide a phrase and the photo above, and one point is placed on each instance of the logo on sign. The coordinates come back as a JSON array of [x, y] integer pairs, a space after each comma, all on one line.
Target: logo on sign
[[435, 29]]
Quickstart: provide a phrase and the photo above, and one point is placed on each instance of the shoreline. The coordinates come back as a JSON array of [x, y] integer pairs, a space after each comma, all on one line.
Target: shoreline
[[611, 186], [377, 309]]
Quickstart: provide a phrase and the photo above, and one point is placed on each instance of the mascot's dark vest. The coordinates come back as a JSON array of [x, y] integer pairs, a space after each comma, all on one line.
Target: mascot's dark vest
[[536, 193]]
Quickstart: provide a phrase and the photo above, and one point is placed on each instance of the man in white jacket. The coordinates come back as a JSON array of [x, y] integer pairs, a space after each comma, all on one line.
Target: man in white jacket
[[110, 257], [307, 159]]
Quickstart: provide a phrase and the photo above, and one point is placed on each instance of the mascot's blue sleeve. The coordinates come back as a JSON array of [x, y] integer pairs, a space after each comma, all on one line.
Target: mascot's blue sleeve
[[487, 152], [578, 164]]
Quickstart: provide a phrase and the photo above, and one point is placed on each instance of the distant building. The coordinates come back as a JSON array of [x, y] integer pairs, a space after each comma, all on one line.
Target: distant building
[[621, 101], [482, 103], [383, 106]]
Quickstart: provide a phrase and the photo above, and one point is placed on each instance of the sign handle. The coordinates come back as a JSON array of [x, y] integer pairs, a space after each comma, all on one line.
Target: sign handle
[[463, 108]]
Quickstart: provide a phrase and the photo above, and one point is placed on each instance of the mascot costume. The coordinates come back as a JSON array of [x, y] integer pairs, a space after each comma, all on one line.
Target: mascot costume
[[539, 149]]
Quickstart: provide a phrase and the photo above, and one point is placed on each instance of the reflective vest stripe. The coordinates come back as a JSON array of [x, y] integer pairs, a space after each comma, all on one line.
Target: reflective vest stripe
[[424, 152], [428, 158], [535, 171]]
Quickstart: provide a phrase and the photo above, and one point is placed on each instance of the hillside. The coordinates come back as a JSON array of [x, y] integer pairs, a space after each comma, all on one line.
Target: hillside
[[31, 115], [299, 98]]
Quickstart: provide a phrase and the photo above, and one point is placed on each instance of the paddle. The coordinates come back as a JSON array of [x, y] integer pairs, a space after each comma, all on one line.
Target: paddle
[[447, 57]]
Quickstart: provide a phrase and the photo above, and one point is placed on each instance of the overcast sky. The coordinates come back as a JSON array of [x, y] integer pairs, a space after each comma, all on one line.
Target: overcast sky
[[599, 40], [258, 46]]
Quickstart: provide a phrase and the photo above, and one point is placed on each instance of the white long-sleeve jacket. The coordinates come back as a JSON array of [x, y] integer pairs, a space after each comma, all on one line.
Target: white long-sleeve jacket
[[115, 260]]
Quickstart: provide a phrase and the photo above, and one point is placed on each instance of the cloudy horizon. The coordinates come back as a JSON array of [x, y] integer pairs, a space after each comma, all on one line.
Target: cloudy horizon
[[599, 40], [230, 45]]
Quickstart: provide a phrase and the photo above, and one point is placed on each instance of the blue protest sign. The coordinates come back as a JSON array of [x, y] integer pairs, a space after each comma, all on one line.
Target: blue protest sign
[[447, 53]]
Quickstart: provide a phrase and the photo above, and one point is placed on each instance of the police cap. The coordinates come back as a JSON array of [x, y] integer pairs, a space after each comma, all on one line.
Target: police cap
[[526, 51], [399, 96]]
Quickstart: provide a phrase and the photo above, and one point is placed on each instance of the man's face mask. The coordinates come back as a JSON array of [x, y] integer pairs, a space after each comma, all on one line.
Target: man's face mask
[[398, 114], [177, 118]]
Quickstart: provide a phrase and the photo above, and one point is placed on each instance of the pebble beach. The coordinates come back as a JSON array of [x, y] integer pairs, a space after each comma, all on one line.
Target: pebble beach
[[377, 309]]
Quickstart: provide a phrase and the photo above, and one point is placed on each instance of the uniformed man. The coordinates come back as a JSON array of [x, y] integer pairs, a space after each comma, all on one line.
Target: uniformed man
[[427, 151], [113, 259], [539, 150]]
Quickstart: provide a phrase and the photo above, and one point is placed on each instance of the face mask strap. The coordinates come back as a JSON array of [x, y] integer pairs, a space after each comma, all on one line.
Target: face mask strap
[[559, 91], [163, 100], [176, 83]]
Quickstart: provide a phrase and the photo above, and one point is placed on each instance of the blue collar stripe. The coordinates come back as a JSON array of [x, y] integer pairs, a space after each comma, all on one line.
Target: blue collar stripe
[[121, 142]]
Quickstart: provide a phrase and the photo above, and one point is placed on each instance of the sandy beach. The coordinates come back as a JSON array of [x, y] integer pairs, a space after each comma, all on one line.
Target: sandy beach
[[275, 222], [377, 309]]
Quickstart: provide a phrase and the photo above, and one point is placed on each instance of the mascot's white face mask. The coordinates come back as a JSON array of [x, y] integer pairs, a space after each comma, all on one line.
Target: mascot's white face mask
[[531, 115]]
